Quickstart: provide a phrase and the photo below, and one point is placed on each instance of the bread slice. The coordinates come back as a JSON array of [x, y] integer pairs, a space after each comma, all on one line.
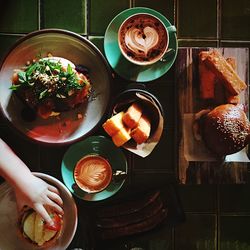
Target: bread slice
[[224, 71], [141, 133], [207, 78], [122, 136], [132, 115], [233, 99], [113, 124]]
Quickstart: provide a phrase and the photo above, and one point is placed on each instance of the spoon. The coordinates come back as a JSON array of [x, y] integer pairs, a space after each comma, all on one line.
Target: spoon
[[119, 176]]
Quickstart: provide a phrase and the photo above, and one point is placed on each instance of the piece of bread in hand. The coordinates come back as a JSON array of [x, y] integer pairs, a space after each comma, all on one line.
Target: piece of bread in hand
[[122, 136], [132, 116], [141, 133], [225, 72], [114, 124]]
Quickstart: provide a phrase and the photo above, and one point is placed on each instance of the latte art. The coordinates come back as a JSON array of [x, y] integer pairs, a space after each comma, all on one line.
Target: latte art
[[141, 42], [143, 39], [93, 173]]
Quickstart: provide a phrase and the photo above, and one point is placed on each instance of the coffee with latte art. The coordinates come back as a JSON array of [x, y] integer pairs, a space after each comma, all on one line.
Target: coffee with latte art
[[92, 173], [143, 39]]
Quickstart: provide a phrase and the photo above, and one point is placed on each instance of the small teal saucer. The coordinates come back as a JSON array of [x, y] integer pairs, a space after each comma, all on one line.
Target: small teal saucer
[[93, 145], [123, 67]]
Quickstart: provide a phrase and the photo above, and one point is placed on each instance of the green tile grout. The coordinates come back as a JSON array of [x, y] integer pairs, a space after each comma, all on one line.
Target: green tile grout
[[175, 14], [218, 22], [87, 17], [39, 13]]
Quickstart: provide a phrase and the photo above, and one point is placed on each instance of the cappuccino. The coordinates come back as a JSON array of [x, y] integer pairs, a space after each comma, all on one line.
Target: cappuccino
[[92, 173], [143, 39]]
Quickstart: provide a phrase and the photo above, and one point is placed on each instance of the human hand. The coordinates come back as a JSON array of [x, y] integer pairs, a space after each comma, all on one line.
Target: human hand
[[38, 194]]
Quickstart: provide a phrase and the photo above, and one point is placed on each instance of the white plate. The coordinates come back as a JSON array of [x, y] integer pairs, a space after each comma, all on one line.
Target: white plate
[[10, 240]]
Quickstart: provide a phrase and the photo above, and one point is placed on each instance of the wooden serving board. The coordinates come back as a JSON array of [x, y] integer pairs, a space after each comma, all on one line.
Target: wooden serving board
[[195, 164]]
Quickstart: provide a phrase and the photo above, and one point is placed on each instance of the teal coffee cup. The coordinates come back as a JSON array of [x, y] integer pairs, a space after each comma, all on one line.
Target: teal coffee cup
[[143, 39]]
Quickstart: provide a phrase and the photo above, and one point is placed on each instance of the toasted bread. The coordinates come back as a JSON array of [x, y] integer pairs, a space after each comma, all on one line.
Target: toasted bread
[[224, 71], [113, 124], [132, 115], [141, 133], [233, 99], [207, 78], [122, 136]]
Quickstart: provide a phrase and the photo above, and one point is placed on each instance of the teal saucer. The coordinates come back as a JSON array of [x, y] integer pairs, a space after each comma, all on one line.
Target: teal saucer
[[123, 67], [93, 145]]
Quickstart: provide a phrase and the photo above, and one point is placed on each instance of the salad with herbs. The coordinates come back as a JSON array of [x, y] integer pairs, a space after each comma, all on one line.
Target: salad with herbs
[[51, 85]]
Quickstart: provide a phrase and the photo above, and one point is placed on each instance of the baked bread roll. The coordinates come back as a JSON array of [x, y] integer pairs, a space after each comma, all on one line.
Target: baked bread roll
[[34, 229], [141, 133], [132, 115], [225, 129]]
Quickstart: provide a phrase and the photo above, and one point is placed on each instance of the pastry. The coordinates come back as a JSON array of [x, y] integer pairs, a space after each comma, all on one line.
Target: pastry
[[114, 124], [132, 115], [141, 133], [225, 129], [122, 136]]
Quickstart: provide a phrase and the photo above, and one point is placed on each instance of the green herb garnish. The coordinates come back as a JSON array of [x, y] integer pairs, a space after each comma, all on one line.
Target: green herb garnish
[[49, 79]]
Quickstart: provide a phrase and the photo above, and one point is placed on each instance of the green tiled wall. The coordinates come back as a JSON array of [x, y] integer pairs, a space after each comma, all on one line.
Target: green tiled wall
[[197, 19], [166, 7], [6, 42], [102, 13], [235, 21], [63, 15], [19, 16], [217, 216]]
